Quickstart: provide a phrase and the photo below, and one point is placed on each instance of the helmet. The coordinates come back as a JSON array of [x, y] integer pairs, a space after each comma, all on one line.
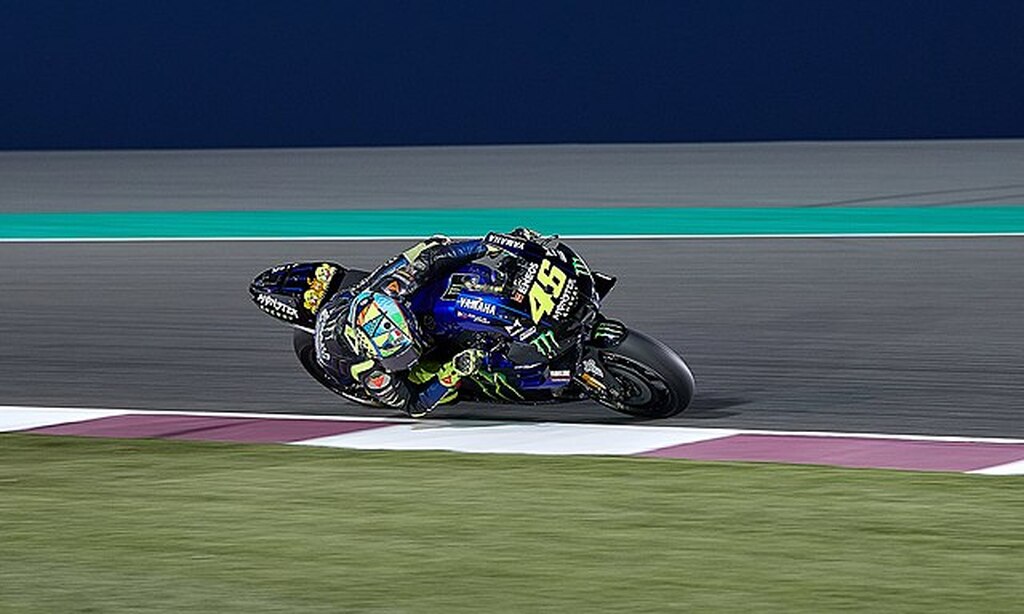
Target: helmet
[[380, 328]]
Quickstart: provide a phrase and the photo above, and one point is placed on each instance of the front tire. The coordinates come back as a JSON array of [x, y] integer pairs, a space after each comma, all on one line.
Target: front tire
[[655, 381]]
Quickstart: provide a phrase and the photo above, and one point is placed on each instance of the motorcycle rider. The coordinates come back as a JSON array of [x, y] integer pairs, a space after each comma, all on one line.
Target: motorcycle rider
[[368, 333]]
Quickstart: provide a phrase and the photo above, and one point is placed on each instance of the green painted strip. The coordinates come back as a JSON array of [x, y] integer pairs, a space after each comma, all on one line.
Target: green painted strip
[[470, 222]]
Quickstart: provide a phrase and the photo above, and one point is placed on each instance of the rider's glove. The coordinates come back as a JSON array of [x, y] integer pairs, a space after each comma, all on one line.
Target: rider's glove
[[467, 362], [526, 233]]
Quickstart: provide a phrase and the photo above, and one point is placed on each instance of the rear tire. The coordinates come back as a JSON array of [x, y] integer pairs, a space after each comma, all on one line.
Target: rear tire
[[656, 381]]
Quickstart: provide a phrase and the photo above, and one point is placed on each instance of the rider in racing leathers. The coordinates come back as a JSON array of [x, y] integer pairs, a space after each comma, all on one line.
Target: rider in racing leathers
[[368, 334]]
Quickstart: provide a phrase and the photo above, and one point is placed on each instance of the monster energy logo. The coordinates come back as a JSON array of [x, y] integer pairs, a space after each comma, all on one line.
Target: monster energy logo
[[496, 386], [579, 266], [545, 343], [607, 330]]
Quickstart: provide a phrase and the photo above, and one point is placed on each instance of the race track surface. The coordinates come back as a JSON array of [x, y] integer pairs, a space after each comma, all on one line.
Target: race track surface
[[885, 335], [876, 173]]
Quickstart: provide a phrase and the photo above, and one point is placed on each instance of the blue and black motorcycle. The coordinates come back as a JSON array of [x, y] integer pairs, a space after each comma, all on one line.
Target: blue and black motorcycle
[[537, 306]]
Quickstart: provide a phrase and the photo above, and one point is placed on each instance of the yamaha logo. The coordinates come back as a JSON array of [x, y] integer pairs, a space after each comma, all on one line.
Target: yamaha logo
[[504, 241], [478, 305]]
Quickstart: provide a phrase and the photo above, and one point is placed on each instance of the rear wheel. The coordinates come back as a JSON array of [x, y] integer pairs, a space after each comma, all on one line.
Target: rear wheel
[[655, 382]]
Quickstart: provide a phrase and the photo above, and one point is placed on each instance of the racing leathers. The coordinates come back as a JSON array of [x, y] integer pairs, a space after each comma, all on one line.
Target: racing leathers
[[395, 381]]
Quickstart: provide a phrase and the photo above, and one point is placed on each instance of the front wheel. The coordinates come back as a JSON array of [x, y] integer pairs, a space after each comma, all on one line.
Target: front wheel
[[654, 381]]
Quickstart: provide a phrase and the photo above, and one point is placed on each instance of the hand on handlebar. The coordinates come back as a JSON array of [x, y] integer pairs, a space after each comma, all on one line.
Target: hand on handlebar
[[526, 233]]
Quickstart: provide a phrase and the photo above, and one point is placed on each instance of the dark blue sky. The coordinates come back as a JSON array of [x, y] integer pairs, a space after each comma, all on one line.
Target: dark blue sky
[[185, 73]]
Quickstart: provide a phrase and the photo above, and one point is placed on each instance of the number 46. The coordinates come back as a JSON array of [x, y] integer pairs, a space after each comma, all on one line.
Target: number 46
[[545, 289]]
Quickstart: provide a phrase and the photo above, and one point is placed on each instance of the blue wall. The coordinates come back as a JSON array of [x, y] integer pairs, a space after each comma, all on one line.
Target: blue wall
[[209, 73]]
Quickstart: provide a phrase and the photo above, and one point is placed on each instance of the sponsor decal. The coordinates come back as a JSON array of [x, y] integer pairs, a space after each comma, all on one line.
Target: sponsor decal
[[321, 334], [356, 341], [565, 304], [609, 330], [467, 315], [318, 287], [590, 366], [559, 375], [378, 380], [521, 285], [526, 334], [448, 375], [496, 386], [519, 331], [275, 306], [504, 241], [545, 344], [477, 304], [580, 266]]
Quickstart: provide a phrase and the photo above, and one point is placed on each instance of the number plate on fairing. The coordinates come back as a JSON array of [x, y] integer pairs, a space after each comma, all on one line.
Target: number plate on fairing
[[549, 290]]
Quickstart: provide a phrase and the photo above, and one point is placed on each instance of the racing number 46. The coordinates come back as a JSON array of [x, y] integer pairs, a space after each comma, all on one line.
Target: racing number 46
[[546, 288]]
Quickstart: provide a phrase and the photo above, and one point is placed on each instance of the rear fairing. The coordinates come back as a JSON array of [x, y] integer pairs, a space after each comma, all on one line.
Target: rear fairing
[[293, 293]]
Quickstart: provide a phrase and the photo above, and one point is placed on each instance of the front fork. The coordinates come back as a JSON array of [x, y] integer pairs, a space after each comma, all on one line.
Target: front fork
[[591, 373]]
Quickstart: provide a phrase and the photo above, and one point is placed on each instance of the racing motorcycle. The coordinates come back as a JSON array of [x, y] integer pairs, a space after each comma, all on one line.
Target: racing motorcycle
[[537, 305]]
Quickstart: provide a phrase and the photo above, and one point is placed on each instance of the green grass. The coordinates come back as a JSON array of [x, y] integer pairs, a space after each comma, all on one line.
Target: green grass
[[159, 526]]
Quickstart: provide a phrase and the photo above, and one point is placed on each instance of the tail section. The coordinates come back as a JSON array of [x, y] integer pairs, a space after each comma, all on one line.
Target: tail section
[[293, 293]]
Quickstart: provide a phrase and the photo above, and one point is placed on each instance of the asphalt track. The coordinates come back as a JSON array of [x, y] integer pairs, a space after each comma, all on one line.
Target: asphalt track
[[885, 335], [875, 173]]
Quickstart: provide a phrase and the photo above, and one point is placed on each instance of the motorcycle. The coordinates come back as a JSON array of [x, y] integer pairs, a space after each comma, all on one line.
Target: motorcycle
[[538, 306]]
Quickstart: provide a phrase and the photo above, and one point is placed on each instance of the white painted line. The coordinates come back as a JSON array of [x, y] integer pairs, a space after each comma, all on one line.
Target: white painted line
[[1014, 468], [536, 438], [854, 235], [25, 418]]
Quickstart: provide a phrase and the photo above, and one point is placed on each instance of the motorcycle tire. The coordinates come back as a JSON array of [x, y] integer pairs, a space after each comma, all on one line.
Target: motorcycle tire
[[656, 381]]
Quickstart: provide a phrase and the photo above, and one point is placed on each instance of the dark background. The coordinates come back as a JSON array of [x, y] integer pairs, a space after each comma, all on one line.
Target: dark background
[[186, 73]]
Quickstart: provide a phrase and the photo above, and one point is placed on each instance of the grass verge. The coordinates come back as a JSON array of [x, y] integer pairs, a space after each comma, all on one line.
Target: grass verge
[[92, 525]]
